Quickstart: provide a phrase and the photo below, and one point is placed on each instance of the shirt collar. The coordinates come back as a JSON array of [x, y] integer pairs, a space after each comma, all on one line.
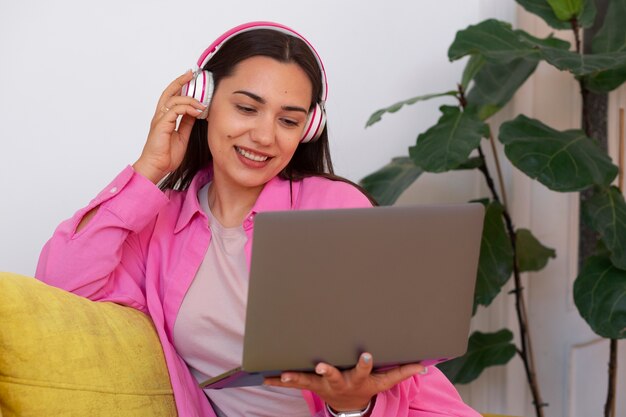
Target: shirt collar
[[278, 194], [275, 196], [190, 204]]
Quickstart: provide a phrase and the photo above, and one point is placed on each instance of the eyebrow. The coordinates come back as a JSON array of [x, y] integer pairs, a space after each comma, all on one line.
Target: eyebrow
[[261, 100]]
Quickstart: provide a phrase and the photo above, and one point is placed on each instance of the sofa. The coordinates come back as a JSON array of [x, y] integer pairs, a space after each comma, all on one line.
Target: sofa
[[63, 355]]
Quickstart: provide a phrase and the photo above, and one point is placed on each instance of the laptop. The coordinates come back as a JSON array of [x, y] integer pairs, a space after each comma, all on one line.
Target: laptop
[[328, 285]]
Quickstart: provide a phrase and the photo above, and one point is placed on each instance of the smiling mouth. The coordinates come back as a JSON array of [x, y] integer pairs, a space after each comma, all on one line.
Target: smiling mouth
[[251, 155]]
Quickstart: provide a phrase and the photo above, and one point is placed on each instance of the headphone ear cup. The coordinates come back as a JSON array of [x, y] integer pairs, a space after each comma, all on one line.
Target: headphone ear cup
[[314, 125], [201, 88]]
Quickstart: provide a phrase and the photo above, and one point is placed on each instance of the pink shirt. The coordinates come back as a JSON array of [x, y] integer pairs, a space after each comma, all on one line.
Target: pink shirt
[[144, 246]]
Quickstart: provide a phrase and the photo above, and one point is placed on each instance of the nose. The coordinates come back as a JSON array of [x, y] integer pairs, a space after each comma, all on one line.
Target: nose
[[264, 131]]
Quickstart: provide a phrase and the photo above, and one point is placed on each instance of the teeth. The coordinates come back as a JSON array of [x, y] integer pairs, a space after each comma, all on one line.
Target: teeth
[[251, 156]]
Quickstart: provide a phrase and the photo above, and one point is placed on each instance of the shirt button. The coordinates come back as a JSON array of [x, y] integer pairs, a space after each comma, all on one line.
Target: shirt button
[[113, 190]]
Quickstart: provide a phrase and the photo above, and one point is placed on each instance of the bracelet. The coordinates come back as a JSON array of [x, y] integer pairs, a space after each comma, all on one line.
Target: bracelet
[[355, 413]]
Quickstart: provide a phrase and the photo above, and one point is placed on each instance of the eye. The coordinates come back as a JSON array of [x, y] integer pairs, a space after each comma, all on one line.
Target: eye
[[289, 122], [245, 109]]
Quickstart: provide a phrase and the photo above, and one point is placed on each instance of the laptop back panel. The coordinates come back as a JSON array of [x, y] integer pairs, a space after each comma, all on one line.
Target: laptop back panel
[[328, 285]]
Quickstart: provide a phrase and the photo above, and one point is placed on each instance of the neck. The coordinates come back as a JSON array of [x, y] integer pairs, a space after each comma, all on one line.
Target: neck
[[230, 205]]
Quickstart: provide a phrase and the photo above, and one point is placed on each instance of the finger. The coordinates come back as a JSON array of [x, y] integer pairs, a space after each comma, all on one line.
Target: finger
[[174, 88], [179, 143], [172, 106], [394, 376], [178, 100], [185, 126], [363, 368], [168, 122], [171, 115], [272, 381], [331, 376], [299, 380]]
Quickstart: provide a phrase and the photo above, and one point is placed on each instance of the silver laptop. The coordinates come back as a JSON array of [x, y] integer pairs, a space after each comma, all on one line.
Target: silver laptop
[[327, 285]]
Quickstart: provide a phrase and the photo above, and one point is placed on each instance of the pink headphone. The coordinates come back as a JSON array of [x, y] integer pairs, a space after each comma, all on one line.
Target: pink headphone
[[202, 85]]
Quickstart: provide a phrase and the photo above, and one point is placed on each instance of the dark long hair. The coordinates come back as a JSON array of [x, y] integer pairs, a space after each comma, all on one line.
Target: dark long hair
[[310, 158]]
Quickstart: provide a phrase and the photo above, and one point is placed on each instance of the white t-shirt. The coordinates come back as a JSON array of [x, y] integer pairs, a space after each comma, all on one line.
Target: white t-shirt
[[208, 332]]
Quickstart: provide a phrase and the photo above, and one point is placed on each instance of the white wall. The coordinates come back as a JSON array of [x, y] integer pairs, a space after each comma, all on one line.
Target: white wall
[[79, 81]]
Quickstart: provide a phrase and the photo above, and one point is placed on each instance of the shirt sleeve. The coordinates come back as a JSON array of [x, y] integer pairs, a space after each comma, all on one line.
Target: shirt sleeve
[[429, 395], [105, 260]]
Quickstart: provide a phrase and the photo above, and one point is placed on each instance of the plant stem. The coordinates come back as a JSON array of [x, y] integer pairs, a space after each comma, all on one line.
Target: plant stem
[[522, 318], [525, 352], [498, 169], [576, 29], [461, 96], [609, 407]]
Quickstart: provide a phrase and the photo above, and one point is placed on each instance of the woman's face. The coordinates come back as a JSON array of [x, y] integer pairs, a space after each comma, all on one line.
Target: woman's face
[[256, 120]]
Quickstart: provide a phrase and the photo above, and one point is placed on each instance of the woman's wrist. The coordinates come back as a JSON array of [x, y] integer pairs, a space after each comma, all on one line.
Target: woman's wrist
[[148, 172], [363, 412]]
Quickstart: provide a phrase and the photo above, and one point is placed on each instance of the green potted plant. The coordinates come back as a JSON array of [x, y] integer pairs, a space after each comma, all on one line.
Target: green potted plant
[[500, 60]]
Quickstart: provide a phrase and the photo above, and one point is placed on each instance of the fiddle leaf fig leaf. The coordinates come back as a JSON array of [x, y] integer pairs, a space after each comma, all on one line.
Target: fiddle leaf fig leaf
[[552, 51], [498, 43], [566, 10], [562, 161], [587, 16], [605, 212], [472, 163], [495, 84], [449, 143], [474, 64], [610, 38], [606, 81], [388, 183], [495, 263], [492, 39], [583, 64], [483, 350], [544, 10], [600, 296], [531, 254], [378, 114]]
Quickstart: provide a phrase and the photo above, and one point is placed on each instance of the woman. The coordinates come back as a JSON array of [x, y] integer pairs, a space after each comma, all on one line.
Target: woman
[[180, 252]]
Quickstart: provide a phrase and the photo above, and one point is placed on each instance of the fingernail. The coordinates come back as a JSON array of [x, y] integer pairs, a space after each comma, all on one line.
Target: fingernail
[[320, 370], [367, 358], [423, 371], [285, 378]]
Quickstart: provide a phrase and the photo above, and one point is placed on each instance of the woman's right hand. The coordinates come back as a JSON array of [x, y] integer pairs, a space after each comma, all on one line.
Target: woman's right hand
[[166, 145]]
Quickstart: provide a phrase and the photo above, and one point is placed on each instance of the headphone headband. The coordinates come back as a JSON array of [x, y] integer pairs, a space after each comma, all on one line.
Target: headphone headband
[[246, 27]]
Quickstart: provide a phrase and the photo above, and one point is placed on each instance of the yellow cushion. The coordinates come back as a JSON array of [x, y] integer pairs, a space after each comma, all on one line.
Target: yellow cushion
[[63, 355]]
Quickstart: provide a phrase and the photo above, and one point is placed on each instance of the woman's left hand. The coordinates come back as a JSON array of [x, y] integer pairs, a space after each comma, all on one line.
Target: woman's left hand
[[348, 390]]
